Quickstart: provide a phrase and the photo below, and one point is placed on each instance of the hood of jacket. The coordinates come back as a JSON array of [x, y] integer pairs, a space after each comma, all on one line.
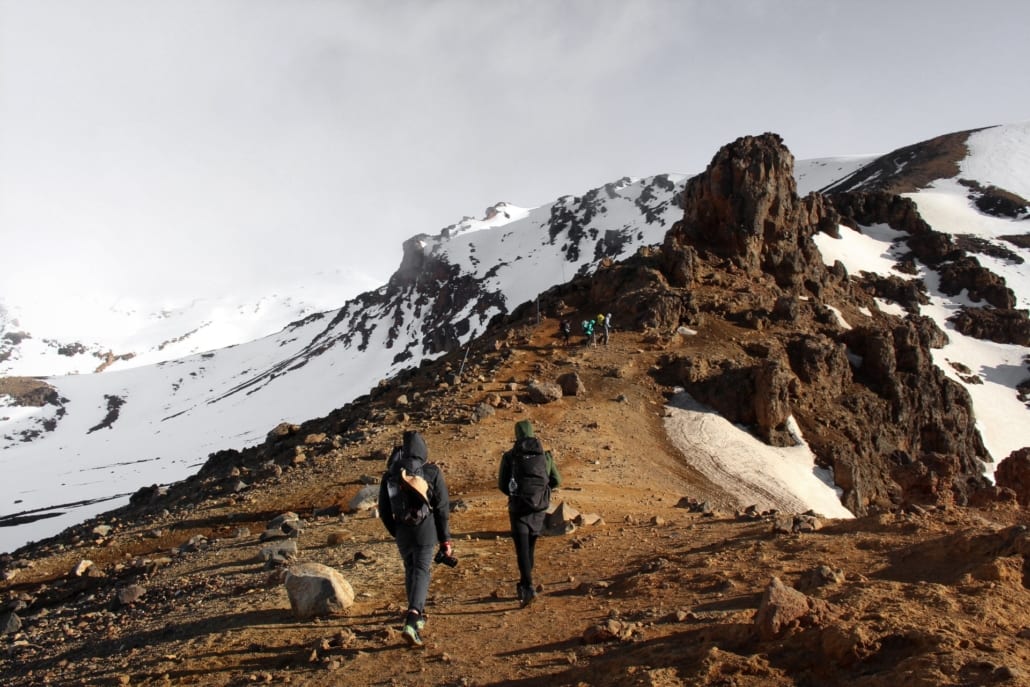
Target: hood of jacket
[[415, 446], [524, 429]]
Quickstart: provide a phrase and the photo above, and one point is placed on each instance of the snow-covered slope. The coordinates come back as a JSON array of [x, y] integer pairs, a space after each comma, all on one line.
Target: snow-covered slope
[[114, 432], [82, 334]]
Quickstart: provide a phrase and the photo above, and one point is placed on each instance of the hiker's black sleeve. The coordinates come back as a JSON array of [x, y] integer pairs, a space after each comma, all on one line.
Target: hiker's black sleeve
[[553, 476], [504, 473], [441, 504], [385, 512]]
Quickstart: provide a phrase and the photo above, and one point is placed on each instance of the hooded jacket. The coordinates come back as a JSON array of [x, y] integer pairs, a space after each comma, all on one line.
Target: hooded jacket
[[414, 447], [524, 430]]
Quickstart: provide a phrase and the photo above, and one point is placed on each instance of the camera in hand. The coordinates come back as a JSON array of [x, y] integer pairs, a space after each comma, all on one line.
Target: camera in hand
[[441, 557]]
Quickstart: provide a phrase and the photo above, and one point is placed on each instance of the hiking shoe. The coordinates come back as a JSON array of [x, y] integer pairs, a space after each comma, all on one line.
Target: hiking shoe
[[528, 595], [520, 592], [420, 624], [411, 635]]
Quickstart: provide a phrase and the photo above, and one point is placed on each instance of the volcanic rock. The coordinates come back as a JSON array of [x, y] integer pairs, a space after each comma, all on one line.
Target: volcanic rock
[[317, 590]]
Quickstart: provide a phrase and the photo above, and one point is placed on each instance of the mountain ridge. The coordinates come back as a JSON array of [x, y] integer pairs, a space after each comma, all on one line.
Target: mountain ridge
[[677, 580], [389, 328]]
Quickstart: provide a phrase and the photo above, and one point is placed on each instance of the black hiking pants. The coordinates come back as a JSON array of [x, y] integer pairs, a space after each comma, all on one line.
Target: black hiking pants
[[416, 546], [525, 529]]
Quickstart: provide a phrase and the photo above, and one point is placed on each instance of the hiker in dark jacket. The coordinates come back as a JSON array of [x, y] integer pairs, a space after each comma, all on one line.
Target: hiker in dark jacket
[[527, 511], [416, 541]]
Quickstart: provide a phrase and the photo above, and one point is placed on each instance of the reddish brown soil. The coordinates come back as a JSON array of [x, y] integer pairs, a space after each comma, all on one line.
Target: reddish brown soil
[[929, 598]]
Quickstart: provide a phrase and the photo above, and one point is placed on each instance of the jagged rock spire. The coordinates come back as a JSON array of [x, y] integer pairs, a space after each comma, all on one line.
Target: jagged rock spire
[[744, 210]]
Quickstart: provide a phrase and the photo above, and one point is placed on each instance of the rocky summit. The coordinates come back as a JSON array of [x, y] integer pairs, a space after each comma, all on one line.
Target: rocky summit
[[269, 565]]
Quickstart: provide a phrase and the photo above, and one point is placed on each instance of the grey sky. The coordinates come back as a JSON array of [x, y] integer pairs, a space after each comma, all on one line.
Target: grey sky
[[185, 148]]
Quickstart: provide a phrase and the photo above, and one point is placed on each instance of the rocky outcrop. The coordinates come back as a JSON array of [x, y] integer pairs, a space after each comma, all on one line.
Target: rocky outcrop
[[992, 324], [980, 284], [27, 391], [869, 399], [997, 202], [1014, 473], [744, 210], [958, 271]]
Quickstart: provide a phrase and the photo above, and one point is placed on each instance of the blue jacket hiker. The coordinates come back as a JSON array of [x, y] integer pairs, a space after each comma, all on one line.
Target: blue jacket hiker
[[415, 507], [527, 475]]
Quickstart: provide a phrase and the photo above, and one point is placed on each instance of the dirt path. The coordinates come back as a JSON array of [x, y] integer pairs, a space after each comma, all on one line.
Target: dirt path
[[655, 595]]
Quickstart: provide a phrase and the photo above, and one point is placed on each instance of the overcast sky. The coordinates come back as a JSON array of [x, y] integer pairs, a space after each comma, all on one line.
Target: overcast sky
[[175, 149]]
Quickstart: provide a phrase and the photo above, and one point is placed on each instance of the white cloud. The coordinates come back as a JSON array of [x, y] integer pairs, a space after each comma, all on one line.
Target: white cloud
[[184, 147]]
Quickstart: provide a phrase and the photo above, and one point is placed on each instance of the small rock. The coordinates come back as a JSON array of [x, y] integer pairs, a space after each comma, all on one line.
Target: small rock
[[130, 594], [605, 632], [279, 553], [783, 607], [9, 623], [783, 524], [82, 567], [365, 499], [338, 537], [194, 544], [316, 590], [822, 576], [588, 519]]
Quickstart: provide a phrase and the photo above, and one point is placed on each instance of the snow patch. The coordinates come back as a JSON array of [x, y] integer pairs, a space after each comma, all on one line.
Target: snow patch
[[782, 478]]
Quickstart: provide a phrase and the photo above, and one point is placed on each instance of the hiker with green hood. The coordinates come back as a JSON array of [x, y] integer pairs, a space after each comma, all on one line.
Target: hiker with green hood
[[527, 475]]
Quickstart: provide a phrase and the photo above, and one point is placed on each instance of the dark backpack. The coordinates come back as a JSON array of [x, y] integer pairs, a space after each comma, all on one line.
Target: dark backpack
[[406, 504], [529, 470]]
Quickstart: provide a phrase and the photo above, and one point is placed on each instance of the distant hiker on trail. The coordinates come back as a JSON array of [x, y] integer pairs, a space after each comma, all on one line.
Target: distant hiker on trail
[[566, 330], [602, 329], [415, 507], [606, 327], [588, 332], [527, 475]]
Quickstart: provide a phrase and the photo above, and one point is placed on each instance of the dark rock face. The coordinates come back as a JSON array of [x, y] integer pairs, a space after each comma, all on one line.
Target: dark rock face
[[1014, 473], [997, 202], [965, 273], [908, 293], [958, 270], [745, 209], [869, 400], [1002, 326]]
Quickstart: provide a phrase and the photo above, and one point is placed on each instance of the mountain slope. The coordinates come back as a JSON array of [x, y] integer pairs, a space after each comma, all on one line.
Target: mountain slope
[[659, 593], [157, 423], [686, 580]]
